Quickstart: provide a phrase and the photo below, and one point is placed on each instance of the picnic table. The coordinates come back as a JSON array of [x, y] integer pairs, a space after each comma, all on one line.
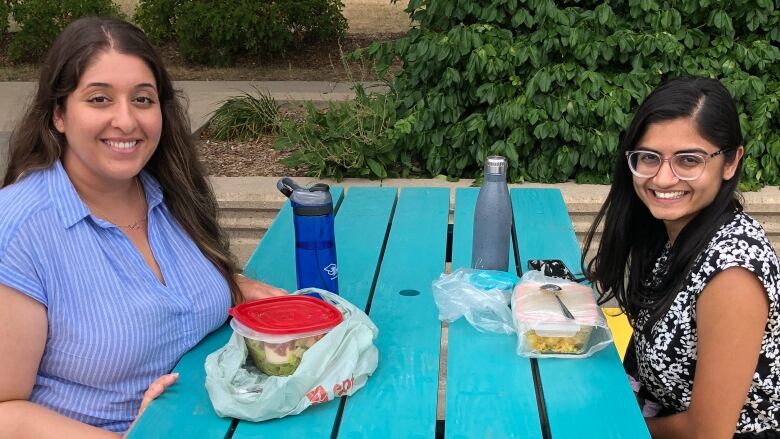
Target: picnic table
[[391, 245]]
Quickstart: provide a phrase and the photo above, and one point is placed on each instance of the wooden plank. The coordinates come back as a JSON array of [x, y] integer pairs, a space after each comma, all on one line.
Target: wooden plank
[[184, 409], [361, 225], [484, 374], [361, 228], [399, 401], [587, 397]]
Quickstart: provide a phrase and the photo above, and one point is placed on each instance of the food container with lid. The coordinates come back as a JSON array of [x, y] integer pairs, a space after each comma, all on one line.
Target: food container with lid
[[543, 326], [279, 330]]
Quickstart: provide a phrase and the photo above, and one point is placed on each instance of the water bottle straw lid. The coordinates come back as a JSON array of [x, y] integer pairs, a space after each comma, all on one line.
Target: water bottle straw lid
[[308, 201], [495, 164], [287, 185]]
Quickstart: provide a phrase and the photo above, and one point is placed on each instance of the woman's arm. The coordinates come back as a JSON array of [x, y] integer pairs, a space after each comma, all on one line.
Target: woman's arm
[[23, 331], [731, 315]]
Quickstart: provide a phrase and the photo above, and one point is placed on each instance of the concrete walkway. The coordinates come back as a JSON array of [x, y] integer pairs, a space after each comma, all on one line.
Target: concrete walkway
[[204, 96]]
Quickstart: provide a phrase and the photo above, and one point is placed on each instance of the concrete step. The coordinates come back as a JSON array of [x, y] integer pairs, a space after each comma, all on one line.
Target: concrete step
[[248, 219]]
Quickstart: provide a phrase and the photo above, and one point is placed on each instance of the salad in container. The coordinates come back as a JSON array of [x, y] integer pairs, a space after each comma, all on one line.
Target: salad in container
[[543, 327], [278, 330]]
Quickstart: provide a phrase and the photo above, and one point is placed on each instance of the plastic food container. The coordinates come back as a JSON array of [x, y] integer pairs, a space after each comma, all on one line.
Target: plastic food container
[[542, 326], [279, 330]]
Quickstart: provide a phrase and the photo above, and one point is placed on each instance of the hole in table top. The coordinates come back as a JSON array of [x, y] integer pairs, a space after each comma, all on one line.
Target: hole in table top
[[409, 293]]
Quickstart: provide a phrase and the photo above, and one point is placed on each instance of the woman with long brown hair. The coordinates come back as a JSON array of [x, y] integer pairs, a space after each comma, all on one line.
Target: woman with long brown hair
[[112, 263]]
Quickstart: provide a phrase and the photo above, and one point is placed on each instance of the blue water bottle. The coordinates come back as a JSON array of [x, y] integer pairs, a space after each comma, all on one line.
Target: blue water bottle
[[315, 241]]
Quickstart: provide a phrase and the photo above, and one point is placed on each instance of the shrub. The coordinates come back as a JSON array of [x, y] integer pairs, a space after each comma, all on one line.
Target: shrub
[[245, 117], [317, 20], [40, 21], [5, 12], [156, 18], [216, 33], [551, 85], [350, 139]]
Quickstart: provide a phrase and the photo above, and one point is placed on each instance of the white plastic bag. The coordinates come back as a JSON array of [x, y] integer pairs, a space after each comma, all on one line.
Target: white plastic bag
[[543, 330], [482, 296], [337, 365]]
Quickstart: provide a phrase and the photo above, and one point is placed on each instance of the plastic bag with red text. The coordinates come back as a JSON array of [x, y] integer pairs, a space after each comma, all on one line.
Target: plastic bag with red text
[[337, 365]]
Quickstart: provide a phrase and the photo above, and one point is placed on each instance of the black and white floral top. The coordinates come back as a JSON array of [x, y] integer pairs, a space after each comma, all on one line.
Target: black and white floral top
[[666, 357]]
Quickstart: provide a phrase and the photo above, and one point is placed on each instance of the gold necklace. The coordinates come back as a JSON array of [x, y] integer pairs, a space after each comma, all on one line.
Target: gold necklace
[[139, 224]]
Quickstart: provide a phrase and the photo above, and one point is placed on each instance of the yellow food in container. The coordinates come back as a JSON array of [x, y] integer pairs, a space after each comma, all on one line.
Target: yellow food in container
[[542, 325]]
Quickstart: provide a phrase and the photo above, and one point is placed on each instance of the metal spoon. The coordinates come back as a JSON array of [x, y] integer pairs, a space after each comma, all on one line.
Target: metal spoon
[[552, 288]]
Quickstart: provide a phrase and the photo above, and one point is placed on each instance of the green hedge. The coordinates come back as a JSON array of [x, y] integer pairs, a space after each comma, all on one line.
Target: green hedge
[[5, 13], [218, 32], [40, 21], [551, 85], [156, 18]]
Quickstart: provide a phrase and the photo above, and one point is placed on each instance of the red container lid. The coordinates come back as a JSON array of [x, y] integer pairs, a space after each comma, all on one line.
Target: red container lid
[[285, 315]]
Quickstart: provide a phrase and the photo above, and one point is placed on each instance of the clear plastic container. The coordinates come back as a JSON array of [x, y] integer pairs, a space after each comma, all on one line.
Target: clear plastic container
[[546, 339], [542, 326], [279, 330]]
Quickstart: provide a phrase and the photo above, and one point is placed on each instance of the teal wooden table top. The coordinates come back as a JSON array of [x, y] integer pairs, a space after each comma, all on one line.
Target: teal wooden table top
[[433, 380]]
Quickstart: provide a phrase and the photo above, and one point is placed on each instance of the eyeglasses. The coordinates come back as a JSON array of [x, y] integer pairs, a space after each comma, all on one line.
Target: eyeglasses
[[685, 165]]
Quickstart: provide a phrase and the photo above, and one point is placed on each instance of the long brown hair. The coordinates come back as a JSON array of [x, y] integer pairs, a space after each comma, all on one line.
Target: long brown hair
[[36, 144]]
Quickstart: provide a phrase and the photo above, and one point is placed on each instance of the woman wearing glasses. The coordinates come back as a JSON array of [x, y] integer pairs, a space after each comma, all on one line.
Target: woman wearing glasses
[[696, 276]]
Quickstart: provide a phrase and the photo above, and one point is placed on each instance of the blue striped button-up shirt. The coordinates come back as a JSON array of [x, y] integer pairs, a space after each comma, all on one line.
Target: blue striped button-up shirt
[[113, 327]]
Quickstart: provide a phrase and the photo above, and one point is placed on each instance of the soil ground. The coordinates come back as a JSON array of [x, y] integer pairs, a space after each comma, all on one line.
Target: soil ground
[[254, 157]]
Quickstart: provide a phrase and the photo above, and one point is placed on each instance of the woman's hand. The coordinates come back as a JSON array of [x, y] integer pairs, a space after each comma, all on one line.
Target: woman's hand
[[152, 392], [253, 290], [156, 389]]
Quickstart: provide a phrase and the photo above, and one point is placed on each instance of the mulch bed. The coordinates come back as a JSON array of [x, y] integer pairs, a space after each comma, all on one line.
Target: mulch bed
[[243, 158]]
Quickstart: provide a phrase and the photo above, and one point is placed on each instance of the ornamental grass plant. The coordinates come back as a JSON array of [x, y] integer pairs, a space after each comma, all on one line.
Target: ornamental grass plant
[[245, 117]]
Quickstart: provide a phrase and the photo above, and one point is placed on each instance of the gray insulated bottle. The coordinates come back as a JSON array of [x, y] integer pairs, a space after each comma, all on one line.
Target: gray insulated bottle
[[492, 219]]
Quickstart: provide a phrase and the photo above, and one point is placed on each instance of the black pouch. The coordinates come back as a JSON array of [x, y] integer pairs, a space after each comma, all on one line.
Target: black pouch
[[552, 268]]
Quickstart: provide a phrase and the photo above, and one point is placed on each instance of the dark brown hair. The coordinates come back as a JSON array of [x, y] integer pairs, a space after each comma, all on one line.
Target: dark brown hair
[[36, 144]]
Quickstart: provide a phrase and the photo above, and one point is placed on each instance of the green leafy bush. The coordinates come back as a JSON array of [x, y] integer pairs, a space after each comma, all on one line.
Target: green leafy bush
[[245, 117], [551, 84], [5, 13], [317, 20], [349, 139], [216, 33], [40, 21], [156, 18]]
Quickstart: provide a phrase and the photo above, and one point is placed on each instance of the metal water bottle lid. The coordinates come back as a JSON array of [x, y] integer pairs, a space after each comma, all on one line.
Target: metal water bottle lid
[[495, 164]]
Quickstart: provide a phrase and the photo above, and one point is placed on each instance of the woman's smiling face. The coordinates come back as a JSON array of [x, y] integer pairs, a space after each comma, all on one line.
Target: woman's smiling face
[[112, 121], [669, 199]]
